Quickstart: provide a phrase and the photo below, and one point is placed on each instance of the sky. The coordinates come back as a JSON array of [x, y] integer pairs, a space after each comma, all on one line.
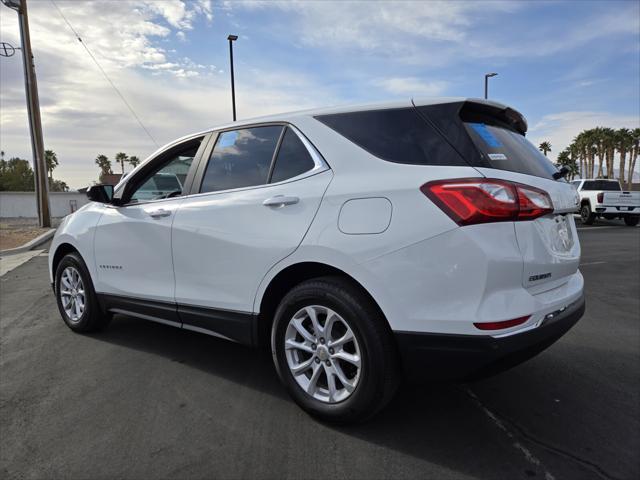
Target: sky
[[566, 65]]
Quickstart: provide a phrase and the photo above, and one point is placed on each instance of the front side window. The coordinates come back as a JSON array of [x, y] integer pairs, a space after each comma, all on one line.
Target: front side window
[[293, 158], [168, 180], [241, 158]]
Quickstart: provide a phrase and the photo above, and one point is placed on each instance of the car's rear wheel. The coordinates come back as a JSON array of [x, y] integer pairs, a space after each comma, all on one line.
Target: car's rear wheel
[[76, 297], [631, 220], [334, 351], [586, 216]]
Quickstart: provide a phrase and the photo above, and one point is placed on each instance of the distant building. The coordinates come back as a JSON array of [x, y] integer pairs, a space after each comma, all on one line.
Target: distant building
[[110, 178]]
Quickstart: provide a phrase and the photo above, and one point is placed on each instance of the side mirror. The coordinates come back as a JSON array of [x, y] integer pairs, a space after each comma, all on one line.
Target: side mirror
[[100, 193]]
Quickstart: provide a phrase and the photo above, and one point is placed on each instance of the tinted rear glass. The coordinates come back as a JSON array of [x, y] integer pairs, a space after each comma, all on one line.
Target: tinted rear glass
[[601, 185], [506, 149], [397, 135]]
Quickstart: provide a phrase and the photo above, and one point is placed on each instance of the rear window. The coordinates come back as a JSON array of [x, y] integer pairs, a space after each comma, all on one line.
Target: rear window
[[505, 149], [602, 185], [397, 135]]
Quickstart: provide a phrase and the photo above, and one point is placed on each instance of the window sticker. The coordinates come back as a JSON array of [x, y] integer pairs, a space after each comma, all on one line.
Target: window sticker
[[482, 130], [497, 156], [227, 139]]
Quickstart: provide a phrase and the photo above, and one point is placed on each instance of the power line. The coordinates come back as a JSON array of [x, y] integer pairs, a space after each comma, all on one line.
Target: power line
[[105, 74]]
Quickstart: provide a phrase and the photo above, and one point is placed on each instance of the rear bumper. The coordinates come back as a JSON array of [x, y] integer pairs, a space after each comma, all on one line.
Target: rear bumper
[[427, 356], [601, 209]]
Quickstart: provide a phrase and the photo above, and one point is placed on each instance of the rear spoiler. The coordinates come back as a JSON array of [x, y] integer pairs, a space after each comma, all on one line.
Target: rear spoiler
[[497, 110]]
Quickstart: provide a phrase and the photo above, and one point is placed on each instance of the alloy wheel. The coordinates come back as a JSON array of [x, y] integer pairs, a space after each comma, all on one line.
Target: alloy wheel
[[72, 294], [323, 354]]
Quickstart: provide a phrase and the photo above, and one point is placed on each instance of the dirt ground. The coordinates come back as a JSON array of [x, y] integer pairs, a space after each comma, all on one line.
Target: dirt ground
[[15, 232]]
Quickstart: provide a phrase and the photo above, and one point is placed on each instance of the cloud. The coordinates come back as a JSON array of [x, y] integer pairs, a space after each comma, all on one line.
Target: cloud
[[411, 86]]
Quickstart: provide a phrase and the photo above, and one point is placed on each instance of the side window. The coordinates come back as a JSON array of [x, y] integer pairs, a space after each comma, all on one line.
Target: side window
[[293, 158], [168, 180], [241, 158]]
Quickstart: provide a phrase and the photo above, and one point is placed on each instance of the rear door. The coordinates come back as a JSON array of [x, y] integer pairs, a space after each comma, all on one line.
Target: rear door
[[549, 245], [257, 193]]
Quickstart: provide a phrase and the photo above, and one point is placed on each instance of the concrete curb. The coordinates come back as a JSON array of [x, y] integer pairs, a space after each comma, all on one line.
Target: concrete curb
[[31, 244]]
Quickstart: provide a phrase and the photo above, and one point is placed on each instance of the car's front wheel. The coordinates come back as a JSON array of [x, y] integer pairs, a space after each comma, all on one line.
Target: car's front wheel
[[334, 351], [76, 297]]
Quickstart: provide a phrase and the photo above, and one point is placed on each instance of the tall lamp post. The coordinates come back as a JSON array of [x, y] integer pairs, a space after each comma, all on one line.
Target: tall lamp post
[[232, 38], [486, 84], [33, 109]]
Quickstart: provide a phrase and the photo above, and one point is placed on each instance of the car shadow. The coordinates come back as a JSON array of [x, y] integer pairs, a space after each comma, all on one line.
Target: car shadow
[[439, 423]]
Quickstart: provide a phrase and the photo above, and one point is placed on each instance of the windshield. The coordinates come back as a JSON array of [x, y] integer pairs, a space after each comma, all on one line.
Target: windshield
[[506, 149]]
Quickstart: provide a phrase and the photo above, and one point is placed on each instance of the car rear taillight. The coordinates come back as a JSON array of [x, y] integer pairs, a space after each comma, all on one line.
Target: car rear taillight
[[470, 201], [600, 197], [501, 325]]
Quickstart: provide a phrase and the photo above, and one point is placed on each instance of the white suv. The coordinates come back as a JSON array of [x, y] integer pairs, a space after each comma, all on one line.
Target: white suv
[[420, 239]]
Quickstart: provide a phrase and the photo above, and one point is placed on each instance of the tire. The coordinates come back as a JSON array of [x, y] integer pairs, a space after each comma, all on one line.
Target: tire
[[586, 215], [372, 384], [631, 220], [87, 317]]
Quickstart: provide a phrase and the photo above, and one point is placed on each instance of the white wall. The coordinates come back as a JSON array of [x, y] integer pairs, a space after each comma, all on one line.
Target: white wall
[[23, 204]]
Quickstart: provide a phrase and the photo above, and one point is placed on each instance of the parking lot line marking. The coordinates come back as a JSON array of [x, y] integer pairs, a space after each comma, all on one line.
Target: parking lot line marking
[[591, 263], [530, 457]]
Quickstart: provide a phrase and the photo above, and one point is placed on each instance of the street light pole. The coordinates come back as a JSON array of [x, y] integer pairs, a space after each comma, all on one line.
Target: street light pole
[[486, 84], [33, 109], [231, 39]]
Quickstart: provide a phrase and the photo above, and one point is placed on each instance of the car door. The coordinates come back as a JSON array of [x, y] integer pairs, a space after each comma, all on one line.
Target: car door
[[258, 192], [133, 240]]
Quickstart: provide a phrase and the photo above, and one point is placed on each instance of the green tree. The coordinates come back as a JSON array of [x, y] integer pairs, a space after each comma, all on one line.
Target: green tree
[[51, 161], [121, 157], [545, 147], [58, 186], [133, 161], [16, 175]]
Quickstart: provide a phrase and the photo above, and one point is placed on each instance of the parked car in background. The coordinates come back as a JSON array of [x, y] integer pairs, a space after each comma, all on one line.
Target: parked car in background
[[424, 239], [605, 198]]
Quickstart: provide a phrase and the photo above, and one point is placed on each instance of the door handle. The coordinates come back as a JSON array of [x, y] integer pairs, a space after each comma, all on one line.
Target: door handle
[[280, 201], [160, 213]]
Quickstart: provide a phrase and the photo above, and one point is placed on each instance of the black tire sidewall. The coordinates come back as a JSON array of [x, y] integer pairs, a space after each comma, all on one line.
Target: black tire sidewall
[[586, 216], [358, 405], [631, 220], [91, 308]]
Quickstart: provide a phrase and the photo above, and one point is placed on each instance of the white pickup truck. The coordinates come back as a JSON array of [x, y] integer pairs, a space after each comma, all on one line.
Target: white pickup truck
[[605, 198]]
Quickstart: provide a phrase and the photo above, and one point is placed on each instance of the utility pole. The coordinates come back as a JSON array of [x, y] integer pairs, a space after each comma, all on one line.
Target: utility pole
[[486, 84], [231, 39], [33, 108]]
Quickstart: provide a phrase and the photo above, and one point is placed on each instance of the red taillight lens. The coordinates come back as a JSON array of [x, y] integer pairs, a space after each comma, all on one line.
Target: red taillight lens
[[600, 197], [471, 201], [501, 325]]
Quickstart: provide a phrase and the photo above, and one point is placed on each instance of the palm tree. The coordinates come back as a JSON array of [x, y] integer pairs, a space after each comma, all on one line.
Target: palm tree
[[609, 140], [51, 161], [104, 163], [545, 147], [121, 157], [634, 152], [624, 143], [133, 161], [565, 160]]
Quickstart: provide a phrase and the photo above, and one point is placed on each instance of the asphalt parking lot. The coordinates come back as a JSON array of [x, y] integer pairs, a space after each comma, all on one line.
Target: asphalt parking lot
[[143, 400]]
